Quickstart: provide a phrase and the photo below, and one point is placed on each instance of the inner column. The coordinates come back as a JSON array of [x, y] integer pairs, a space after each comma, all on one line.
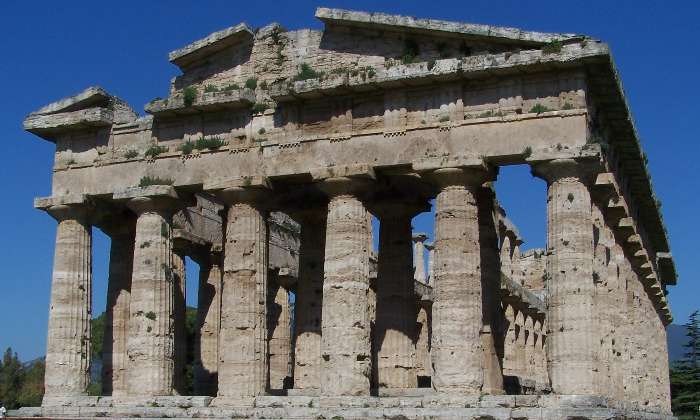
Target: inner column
[[345, 342], [206, 352]]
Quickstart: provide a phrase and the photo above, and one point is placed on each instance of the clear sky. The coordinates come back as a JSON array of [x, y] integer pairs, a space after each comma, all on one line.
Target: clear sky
[[52, 49]]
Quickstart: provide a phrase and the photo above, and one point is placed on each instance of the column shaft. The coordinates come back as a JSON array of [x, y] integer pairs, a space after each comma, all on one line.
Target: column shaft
[[345, 342], [243, 336], [206, 365], [114, 357], [180, 298], [68, 343], [151, 343], [309, 301], [279, 333], [457, 352], [396, 307]]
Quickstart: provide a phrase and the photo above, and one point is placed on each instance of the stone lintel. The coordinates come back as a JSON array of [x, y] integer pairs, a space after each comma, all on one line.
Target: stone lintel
[[520, 297], [451, 161], [345, 171], [151, 191], [409, 24], [185, 240], [215, 42], [252, 182]]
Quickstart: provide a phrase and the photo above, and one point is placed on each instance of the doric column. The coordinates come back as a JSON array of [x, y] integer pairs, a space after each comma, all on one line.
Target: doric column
[[243, 364], [491, 304], [180, 290], [571, 331], [431, 262], [68, 343], [418, 256], [206, 352], [279, 333], [114, 354], [151, 342], [345, 342], [423, 365], [395, 325], [309, 298], [457, 352]]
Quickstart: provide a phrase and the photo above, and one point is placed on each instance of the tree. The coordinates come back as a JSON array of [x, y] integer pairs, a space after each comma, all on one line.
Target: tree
[[11, 377], [685, 374]]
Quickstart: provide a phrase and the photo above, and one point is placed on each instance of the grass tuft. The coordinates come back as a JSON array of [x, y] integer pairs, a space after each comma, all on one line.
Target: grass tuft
[[306, 73], [154, 151], [149, 180], [189, 95]]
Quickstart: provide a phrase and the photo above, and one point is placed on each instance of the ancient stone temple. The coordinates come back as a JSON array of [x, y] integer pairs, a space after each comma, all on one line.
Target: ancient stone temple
[[266, 165]]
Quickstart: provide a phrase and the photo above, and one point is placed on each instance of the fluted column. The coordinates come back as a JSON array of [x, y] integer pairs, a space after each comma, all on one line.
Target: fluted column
[[396, 307], [309, 298], [206, 352], [180, 291], [68, 343], [419, 257], [114, 354], [457, 352], [431, 262], [243, 364], [571, 331], [345, 342], [279, 334], [151, 342]]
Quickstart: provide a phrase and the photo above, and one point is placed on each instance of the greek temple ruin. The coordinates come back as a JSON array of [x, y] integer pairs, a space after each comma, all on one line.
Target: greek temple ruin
[[266, 165]]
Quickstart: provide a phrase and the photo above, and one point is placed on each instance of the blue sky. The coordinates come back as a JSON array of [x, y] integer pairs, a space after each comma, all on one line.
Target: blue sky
[[52, 49]]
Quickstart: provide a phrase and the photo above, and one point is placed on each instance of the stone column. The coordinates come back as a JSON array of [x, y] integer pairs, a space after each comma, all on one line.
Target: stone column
[[418, 256], [114, 354], [279, 334], [180, 291], [423, 367], [206, 352], [457, 351], [431, 262], [309, 298], [396, 304], [151, 342], [68, 343], [243, 365], [345, 340], [571, 331]]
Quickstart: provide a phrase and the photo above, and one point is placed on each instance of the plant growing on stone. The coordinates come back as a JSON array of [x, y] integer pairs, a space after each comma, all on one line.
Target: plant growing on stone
[[130, 154], [306, 73], [527, 152], [539, 108], [444, 118], [155, 150], [260, 107], [553, 47], [189, 95], [210, 88], [410, 51], [251, 83], [230, 87], [148, 181], [567, 106], [210, 143], [151, 315], [187, 147]]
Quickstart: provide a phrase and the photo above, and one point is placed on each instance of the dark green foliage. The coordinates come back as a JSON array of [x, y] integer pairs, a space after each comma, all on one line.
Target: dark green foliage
[[20, 385], [552, 47], [306, 73], [229, 88], [685, 374], [210, 143], [130, 154], [539, 108], [151, 315], [187, 147], [210, 88], [444, 118], [189, 95], [148, 180], [527, 152], [154, 151], [251, 83], [410, 51], [260, 107], [567, 105]]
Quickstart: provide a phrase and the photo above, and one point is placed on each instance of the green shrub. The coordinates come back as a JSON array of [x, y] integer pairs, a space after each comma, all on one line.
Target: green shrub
[[444, 118], [567, 105], [410, 51], [552, 47], [261, 131], [260, 107], [130, 154], [154, 151], [148, 180], [187, 147], [151, 315], [210, 88], [527, 152], [231, 87], [189, 95], [251, 83], [211, 143], [539, 108], [306, 73]]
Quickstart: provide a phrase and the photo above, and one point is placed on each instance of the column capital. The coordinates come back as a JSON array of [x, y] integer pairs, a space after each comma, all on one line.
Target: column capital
[[420, 237], [153, 198], [554, 170], [250, 190], [462, 176], [343, 185], [63, 212]]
